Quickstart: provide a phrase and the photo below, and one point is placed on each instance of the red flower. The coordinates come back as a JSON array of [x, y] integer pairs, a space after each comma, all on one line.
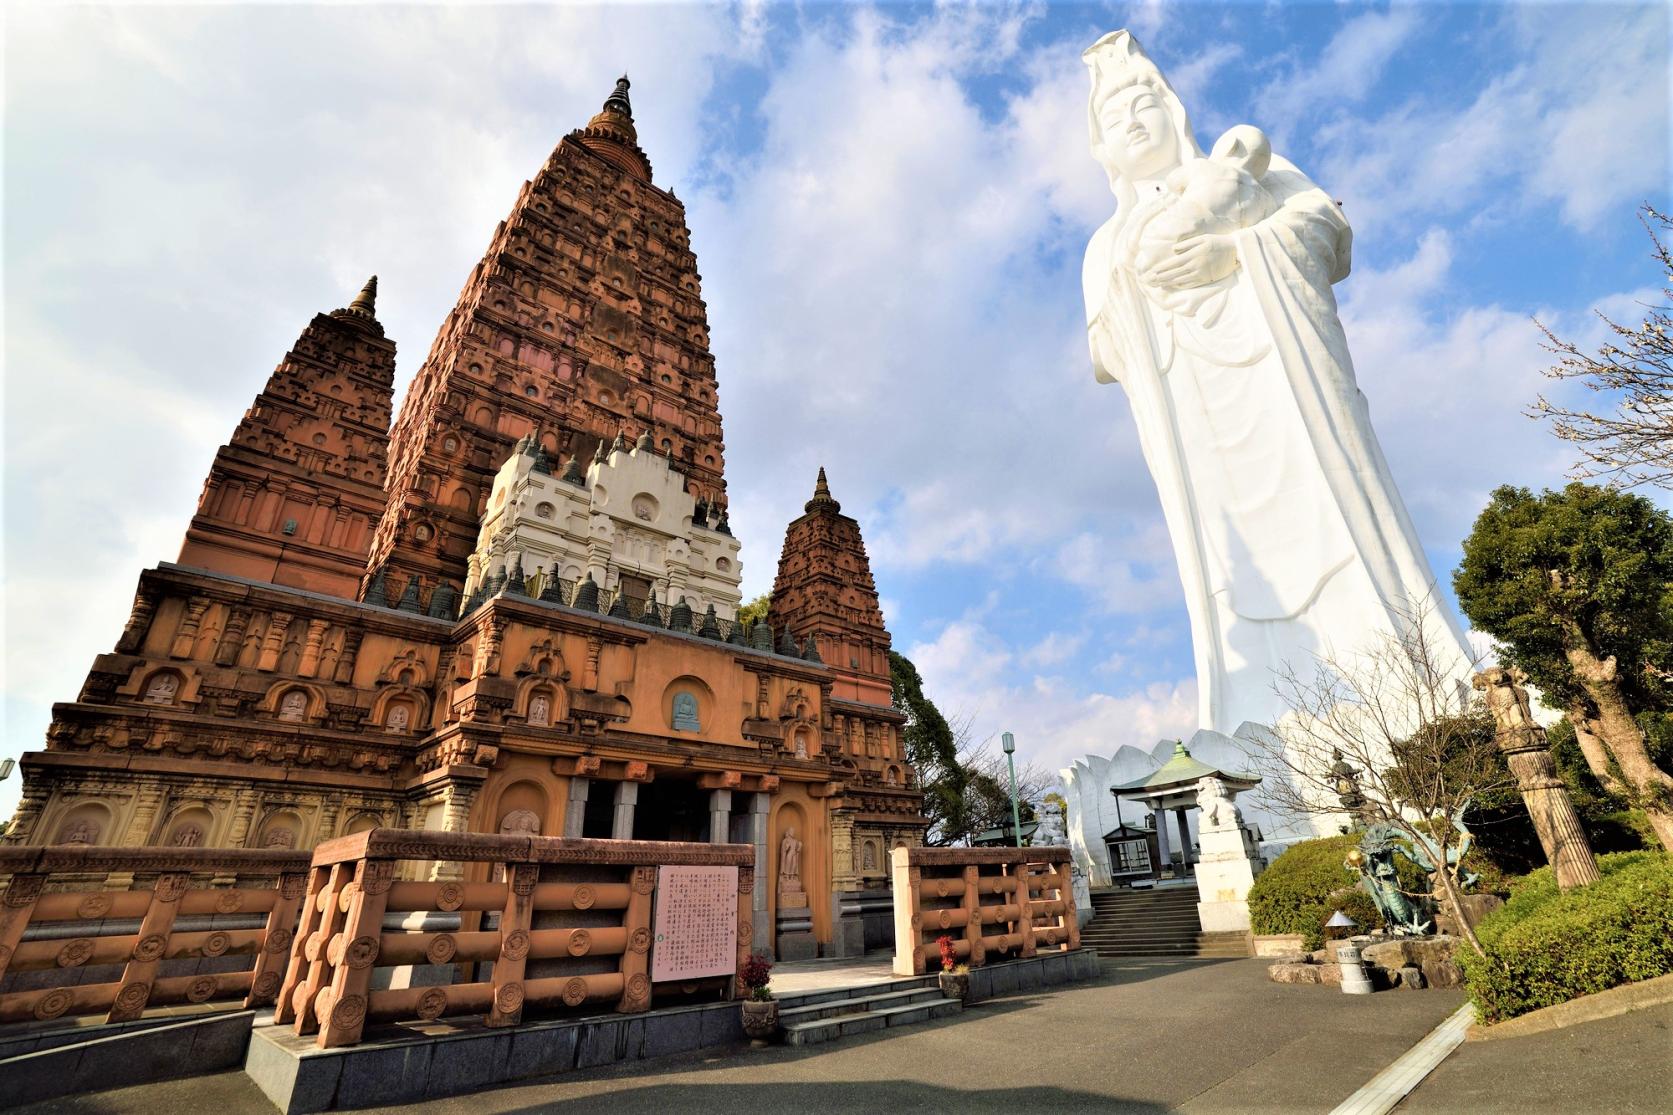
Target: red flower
[[949, 958]]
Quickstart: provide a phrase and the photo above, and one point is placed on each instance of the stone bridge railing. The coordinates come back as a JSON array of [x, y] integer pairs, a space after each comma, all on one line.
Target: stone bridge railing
[[993, 902], [86, 929], [567, 922]]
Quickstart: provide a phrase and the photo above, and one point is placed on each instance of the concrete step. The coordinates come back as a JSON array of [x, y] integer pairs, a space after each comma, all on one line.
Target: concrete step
[[835, 1007], [814, 1031], [796, 999]]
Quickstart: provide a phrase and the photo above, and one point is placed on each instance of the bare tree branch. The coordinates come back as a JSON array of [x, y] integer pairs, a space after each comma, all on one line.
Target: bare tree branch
[[1414, 736], [1631, 445]]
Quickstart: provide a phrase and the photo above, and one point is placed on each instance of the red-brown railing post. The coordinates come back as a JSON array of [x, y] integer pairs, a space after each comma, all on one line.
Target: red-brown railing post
[[352, 952], [273, 960], [636, 919], [18, 906], [296, 966], [746, 927], [515, 919], [316, 950], [148, 951], [973, 914], [1022, 896]]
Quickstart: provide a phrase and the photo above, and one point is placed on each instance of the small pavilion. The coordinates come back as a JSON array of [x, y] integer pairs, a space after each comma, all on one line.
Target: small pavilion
[[1174, 786]]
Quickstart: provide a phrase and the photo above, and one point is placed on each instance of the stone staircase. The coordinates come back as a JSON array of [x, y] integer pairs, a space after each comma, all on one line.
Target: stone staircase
[[1158, 921], [819, 1016]]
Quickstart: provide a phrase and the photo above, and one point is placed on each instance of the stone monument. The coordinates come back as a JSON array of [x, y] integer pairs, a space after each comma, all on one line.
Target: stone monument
[[1208, 298], [1230, 857]]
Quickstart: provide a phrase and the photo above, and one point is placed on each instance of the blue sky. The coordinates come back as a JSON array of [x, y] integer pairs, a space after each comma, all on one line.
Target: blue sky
[[888, 206]]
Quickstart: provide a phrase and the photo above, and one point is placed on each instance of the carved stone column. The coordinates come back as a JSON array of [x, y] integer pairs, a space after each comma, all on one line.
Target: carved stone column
[[1528, 755], [760, 806]]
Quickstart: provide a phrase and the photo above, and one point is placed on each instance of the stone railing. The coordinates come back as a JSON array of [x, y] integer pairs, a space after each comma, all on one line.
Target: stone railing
[[567, 923], [993, 902], [77, 938]]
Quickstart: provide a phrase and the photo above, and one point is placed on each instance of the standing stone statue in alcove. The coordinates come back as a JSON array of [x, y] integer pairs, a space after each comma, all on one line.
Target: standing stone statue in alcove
[[1208, 298]]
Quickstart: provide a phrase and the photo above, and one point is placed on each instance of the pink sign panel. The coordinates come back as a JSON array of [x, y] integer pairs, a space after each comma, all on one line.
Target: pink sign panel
[[694, 925]]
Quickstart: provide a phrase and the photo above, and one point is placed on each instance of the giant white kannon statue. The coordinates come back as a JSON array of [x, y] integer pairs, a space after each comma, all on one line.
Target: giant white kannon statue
[[1208, 298]]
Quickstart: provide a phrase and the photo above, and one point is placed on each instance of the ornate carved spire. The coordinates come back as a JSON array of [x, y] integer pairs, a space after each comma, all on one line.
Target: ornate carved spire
[[366, 302], [618, 101], [613, 128], [364, 309], [822, 498]]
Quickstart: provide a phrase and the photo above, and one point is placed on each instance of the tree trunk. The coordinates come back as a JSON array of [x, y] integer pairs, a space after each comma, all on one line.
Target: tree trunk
[[1449, 885], [1652, 787], [1597, 755]]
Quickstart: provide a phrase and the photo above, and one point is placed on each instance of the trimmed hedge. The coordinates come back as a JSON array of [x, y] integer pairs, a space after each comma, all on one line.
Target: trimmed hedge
[[1304, 886], [1546, 947]]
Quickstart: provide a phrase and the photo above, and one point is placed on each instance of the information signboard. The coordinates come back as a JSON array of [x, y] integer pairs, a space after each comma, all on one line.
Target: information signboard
[[694, 924]]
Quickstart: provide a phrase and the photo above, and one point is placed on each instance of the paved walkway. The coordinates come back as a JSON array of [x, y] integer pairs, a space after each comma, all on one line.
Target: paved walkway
[[1620, 1065], [1146, 1037]]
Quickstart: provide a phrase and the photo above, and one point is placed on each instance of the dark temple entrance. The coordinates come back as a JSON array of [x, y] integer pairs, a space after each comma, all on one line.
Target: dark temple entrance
[[672, 809]]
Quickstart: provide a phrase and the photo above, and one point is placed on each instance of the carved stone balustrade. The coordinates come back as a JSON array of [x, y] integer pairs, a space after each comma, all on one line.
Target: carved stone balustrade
[[993, 902], [567, 923], [75, 939]]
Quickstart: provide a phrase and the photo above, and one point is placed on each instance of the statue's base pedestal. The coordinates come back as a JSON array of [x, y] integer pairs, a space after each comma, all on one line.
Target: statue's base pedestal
[[1223, 917], [1224, 875], [794, 939]]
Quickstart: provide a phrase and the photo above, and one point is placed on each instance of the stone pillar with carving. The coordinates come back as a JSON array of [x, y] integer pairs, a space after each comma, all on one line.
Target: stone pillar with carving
[[1527, 752], [760, 807], [1225, 871]]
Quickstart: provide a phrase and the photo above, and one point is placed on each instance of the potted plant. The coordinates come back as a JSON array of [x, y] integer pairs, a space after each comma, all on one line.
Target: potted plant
[[760, 1008], [955, 977]]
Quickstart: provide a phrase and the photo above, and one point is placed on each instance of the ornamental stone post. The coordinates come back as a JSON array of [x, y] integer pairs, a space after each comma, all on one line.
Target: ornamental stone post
[[1527, 753]]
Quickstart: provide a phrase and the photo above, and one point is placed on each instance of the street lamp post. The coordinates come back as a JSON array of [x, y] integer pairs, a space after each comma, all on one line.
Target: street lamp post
[[1010, 744]]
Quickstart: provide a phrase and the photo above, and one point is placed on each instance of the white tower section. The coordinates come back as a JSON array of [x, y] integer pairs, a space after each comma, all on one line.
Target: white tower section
[[627, 521]]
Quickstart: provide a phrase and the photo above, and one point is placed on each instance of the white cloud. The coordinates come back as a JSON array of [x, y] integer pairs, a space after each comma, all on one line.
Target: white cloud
[[969, 672], [1353, 62], [1577, 115]]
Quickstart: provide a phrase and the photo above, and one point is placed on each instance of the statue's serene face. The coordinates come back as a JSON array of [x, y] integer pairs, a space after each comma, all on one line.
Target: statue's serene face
[[1138, 132]]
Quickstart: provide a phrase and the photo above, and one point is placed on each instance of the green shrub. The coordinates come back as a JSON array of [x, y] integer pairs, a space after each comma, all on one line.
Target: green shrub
[[1546, 947], [1304, 886]]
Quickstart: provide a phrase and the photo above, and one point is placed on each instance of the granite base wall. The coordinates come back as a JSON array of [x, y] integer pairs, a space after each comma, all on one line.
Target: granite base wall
[[1048, 969], [144, 1054], [405, 1065], [299, 1078]]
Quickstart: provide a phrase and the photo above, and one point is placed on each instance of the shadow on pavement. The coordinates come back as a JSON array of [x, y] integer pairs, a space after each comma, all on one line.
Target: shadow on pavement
[[882, 1095]]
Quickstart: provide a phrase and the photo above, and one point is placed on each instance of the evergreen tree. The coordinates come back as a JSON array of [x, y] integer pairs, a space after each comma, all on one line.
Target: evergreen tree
[[1577, 585]]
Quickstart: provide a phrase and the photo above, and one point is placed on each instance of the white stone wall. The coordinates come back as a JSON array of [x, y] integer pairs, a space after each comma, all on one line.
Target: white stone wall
[[631, 515]]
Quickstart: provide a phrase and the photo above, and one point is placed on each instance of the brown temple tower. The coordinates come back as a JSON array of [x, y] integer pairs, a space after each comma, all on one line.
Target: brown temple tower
[[824, 589], [584, 319], [309, 669], [292, 499]]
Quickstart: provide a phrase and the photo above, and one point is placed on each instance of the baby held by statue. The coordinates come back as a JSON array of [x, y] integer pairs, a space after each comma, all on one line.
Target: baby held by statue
[[1215, 195]]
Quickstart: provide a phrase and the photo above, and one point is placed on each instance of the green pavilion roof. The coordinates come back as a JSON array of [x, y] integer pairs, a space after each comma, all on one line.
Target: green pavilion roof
[[1180, 770]]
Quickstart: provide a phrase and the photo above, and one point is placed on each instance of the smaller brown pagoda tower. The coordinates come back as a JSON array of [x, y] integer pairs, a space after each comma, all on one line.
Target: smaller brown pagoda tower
[[824, 589], [293, 497]]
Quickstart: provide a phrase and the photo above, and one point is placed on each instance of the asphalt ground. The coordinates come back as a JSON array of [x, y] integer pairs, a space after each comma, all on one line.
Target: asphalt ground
[[1147, 1036], [1621, 1065]]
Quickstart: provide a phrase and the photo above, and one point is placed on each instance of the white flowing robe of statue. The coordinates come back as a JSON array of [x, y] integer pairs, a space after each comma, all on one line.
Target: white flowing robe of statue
[[1290, 536]]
